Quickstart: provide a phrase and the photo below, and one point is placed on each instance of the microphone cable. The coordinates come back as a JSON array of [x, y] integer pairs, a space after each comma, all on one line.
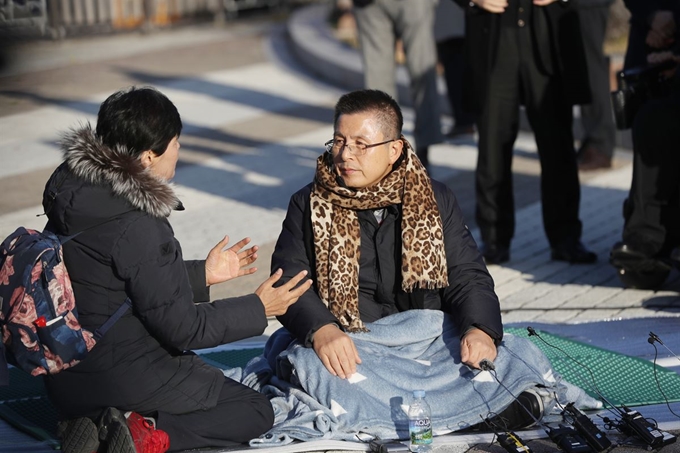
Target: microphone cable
[[506, 439], [653, 338], [488, 365], [565, 437], [629, 421], [593, 382]]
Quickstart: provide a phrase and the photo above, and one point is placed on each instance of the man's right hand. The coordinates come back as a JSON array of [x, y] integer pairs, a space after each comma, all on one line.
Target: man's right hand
[[336, 350], [493, 6], [277, 300]]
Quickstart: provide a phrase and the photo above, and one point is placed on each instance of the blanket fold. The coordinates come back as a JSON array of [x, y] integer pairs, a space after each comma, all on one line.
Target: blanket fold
[[416, 349]]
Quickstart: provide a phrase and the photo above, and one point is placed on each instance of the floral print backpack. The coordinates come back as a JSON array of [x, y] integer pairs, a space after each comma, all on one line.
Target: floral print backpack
[[38, 316]]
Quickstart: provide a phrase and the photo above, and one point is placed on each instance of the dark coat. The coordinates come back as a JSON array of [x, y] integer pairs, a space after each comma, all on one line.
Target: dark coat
[[139, 365], [469, 298], [563, 54], [641, 15], [641, 11]]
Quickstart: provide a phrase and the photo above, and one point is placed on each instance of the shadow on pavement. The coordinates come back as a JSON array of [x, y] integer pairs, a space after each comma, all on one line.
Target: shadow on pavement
[[241, 95]]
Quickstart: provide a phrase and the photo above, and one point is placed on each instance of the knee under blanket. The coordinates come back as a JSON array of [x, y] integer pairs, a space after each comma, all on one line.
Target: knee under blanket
[[416, 349]]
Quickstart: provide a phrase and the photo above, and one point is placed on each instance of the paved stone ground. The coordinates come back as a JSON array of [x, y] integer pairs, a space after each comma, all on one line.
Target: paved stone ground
[[254, 125]]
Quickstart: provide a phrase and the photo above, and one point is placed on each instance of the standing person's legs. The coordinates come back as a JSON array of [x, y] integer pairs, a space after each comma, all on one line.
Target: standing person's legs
[[414, 23], [241, 414], [451, 54], [498, 126], [652, 212], [377, 40], [597, 147], [551, 119]]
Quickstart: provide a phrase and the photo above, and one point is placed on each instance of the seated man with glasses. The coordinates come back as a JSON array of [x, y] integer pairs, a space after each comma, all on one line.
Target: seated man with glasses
[[378, 237]]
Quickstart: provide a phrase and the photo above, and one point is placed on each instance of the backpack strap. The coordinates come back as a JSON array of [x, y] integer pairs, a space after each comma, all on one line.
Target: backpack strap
[[99, 333], [4, 369], [125, 306], [64, 239]]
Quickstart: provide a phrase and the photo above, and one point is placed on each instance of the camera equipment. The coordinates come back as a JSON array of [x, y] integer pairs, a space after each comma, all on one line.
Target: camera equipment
[[506, 438], [568, 440], [387, 446], [512, 443], [628, 421], [597, 440], [635, 87], [565, 436], [634, 423]]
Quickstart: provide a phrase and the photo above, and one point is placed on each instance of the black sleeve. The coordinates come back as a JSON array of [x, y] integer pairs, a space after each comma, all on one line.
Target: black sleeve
[[292, 254], [196, 271], [676, 16], [470, 296], [641, 10], [149, 259]]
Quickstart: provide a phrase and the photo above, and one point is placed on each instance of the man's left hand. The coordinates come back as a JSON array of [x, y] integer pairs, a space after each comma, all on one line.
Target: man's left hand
[[475, 346], [543, 2], [222, 265]]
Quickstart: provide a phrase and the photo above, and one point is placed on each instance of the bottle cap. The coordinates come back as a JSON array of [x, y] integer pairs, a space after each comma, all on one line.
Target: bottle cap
[[419, 393]]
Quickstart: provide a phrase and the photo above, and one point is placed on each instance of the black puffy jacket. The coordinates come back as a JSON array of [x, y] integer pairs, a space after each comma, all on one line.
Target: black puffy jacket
[[469, 298], [128, 249]]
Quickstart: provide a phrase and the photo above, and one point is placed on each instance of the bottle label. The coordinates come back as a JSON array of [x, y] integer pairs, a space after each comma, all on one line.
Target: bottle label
[[421, 431]]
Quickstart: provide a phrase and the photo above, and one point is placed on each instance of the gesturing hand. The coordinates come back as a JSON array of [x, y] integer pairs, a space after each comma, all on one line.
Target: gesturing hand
[[336, 350], [222, 265], [475, 346], [277, 300], [543, 2]]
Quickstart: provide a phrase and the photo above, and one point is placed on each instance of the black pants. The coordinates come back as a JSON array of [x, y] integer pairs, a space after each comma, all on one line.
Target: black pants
[[597, 118], [518, 78], [652, 211], [451, 53], [241, 414]]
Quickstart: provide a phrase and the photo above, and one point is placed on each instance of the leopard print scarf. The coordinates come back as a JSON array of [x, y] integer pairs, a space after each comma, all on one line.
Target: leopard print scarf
[[337, 237]]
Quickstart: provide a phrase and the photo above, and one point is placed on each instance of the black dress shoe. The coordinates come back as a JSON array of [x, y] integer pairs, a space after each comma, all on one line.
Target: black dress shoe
[[495, 253], [639, 270], [573, 252], [524, 412]]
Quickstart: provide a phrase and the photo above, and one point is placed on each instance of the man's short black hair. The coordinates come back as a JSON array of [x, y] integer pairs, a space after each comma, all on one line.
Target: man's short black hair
[[382, 104], [138, 119]]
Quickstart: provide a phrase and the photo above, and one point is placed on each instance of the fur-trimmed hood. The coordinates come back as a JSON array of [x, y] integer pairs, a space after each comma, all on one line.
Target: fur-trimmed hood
[[91, 160]]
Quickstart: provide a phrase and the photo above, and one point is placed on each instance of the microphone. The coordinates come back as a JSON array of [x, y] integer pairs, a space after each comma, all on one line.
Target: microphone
[[486, 365]]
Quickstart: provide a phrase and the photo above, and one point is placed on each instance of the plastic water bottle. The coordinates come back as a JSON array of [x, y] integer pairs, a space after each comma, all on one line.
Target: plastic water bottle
[[419, 423]]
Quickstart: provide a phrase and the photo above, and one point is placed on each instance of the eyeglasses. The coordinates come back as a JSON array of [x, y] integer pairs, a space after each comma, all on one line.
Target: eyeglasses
[[358, 149]]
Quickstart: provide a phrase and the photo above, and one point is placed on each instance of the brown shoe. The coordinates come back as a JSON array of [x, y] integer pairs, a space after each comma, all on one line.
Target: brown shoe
[[460, 131], [591, 158]]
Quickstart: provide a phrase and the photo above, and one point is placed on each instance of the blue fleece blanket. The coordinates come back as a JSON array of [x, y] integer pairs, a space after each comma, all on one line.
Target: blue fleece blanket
[[417, 349]]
